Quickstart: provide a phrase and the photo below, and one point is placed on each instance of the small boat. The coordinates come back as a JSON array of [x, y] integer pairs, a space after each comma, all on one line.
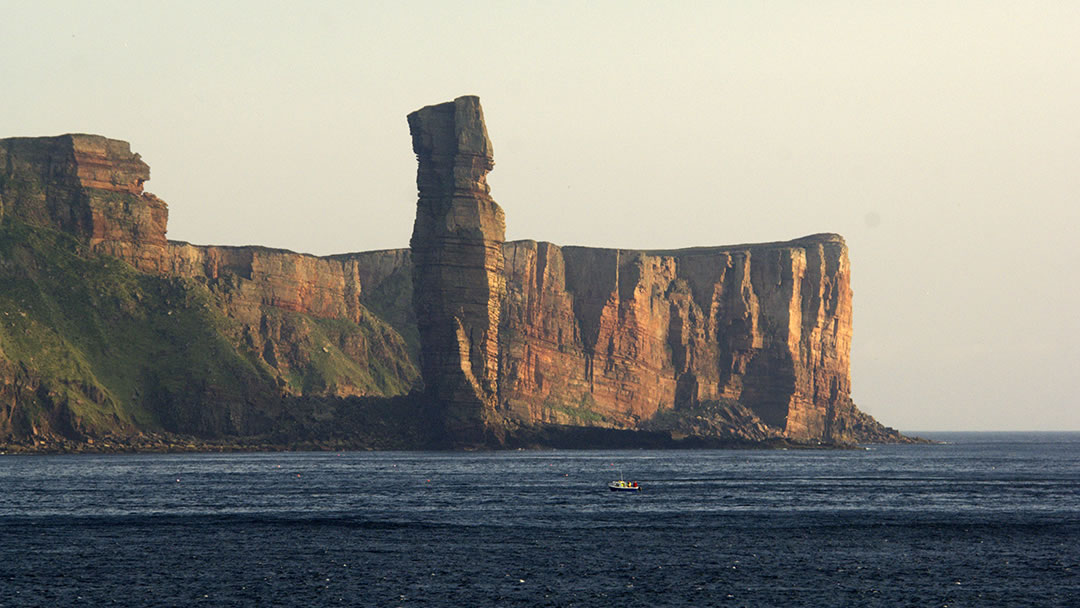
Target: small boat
[[623, 486]]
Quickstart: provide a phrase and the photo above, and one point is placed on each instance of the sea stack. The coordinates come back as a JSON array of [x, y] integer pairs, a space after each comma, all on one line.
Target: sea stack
[[458, 279]]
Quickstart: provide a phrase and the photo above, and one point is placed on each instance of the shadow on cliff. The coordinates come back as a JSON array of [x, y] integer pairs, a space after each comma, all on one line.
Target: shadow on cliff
[[415, 422]]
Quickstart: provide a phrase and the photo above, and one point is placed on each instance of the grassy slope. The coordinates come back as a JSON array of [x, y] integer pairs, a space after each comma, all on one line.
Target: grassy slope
[[92, 347], [337, 356], [99, 336]]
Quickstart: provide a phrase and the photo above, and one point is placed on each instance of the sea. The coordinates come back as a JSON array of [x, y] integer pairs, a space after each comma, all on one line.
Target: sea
[[980, 519]]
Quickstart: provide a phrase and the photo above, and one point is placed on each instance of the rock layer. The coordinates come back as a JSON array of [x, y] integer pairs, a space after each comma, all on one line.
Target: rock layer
[[457, 265], [256, 285], [260, 276]]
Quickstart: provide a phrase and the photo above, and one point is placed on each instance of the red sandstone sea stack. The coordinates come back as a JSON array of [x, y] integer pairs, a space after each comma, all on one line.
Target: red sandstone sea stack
[[457, 257]]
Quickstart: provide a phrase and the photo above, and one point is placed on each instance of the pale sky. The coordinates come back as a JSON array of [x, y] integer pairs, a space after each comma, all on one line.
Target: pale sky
[[941, 139]]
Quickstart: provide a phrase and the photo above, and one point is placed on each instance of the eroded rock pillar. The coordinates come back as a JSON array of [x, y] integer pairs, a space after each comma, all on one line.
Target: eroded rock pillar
[[458, 280]]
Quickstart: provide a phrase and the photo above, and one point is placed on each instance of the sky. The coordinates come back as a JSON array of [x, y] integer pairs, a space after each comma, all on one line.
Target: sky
[[941, 139]]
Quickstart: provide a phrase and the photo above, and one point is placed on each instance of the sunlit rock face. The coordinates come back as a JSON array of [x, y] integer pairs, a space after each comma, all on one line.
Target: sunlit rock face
[[620, 336], [457, 257]]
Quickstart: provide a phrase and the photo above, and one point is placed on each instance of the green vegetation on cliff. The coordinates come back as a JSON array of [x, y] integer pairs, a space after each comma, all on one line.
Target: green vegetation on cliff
[[91, 347]]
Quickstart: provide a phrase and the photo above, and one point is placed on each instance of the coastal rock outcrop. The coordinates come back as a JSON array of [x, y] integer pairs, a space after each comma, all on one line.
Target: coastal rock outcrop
[[178, 337], [747, 342], [301, 314], [457, 261], [108, 328]]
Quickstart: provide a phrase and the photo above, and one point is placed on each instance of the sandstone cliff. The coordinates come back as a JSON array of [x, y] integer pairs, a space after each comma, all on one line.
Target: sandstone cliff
[[109, 329], [204, 340], [621, 336], [304, 316], [87, 186], [748, 341]]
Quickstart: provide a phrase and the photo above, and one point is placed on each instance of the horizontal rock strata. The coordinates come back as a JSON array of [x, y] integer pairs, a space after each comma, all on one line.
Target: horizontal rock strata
[[624, 335], [750, 341], [457, 265], [90, 187]]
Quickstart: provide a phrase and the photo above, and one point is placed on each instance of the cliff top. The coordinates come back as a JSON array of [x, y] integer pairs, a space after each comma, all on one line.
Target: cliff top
[[811, 239], [97, 161], [451, 128]]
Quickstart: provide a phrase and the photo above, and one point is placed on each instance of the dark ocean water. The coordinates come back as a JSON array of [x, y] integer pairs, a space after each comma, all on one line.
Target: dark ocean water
[[985, 520]]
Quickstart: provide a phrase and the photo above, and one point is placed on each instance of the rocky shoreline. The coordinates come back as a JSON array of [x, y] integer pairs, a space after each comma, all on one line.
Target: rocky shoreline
[[547, 437], [112, 332]]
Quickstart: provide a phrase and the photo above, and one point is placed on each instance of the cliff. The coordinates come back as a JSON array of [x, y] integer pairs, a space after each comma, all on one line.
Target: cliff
[[111, 330], [303, 316], [87, 186], [108, 328], [623, 337], [748, 342]]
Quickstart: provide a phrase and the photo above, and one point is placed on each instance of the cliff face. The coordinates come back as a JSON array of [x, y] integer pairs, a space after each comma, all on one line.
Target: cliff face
[[292, 306], [203, 340], [87, 186], [626, 335], [457, 262], [747, 342]]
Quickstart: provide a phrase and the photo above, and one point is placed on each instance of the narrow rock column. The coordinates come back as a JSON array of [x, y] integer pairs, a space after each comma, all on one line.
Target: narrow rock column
[[458, 280]]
